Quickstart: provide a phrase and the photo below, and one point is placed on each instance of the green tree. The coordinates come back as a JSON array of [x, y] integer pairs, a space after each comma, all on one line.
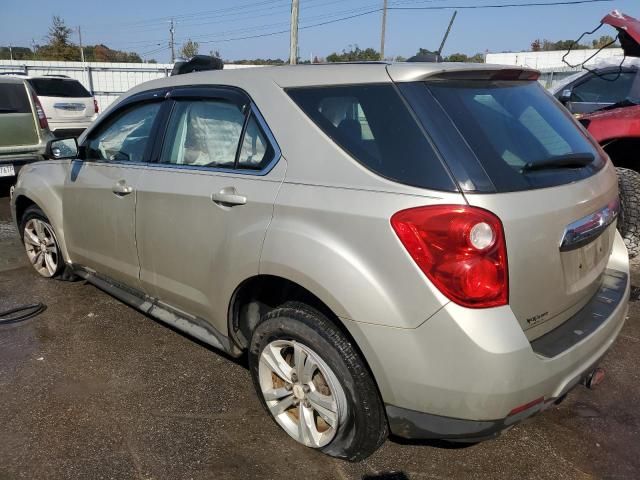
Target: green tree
[[18, 53], [604, 41], [59, 46], [189, 49], [355, 54], [461, 57]]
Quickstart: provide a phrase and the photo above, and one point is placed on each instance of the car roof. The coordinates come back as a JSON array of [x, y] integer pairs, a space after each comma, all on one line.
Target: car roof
[[11, 79], [321, 74]]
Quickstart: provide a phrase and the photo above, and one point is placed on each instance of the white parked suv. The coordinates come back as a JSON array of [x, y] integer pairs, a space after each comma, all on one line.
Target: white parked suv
[[69, 107]]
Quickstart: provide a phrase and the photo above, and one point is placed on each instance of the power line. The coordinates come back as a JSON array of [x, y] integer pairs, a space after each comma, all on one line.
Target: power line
[[442, 7], [505, 5], [149, 43], [370, 12]]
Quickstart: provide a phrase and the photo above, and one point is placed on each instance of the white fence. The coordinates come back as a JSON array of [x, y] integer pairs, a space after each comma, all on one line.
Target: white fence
[[107, 81]]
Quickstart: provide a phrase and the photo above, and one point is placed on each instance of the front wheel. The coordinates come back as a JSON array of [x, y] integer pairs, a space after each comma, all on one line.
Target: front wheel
[[42, 246], [315, 385]]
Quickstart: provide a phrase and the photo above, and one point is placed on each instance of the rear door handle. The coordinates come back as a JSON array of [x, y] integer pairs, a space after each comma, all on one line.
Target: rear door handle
[[121, 188], [228, 197]]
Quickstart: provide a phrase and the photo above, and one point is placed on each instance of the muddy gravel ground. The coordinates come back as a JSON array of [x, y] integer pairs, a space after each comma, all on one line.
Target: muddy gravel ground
[[92, 389]]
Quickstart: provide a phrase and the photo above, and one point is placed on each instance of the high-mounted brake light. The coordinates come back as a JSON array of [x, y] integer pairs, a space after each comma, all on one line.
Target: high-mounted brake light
[[515, 74], [461, 249], [96, 109], [506, 74], [42, 117]]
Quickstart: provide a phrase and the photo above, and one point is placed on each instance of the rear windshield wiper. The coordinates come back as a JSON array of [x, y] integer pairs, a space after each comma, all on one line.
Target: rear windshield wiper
[[572, 160]]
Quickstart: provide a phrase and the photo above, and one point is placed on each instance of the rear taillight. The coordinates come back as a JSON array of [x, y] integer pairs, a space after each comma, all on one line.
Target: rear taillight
[[42, 118], [96, 109], [461, 249]]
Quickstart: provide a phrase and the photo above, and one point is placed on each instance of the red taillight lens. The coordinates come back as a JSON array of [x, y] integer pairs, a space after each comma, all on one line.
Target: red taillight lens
[[96, 109], [461, 249], [42, 118]]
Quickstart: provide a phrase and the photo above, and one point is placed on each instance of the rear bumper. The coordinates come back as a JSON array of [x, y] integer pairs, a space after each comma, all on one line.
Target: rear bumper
[[462, 372], [68, 132], [60, 127], [18, 161]]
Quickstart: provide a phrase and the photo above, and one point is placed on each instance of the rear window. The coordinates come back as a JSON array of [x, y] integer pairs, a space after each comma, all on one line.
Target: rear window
[[58, 87], [13, 98], [373, 124], [519, 135]]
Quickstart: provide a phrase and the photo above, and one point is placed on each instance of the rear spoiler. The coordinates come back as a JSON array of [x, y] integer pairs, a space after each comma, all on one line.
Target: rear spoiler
[[628, 31], [425, 72]]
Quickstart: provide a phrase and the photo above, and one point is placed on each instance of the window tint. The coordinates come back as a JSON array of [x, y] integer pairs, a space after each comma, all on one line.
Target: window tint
[[125, 138], [514, 126], [203, 133], [256, 152], [13, 98], [607, 88], [58, 87], [374, 126]]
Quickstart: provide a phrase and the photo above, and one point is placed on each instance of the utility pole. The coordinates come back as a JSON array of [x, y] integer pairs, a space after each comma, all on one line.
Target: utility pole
[[293, 52], [80, 42], [11, 52], [446, 35], [172, 30], [384, 29]]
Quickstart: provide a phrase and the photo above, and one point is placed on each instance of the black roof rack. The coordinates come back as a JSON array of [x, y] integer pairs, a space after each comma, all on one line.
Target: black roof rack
[[197, 63]]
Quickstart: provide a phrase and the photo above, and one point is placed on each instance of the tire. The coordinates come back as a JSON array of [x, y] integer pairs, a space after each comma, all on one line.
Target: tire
[[354, 424], [629, 218], [41, 245]]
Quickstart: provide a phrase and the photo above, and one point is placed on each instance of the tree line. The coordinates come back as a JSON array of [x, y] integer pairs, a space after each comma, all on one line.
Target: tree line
[[59, 47]]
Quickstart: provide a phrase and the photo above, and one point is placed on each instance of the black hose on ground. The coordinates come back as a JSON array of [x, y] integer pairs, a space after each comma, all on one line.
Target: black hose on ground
[[21, 313]]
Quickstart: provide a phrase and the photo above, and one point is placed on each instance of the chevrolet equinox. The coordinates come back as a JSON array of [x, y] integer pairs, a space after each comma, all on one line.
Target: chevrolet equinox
[[427, 250]]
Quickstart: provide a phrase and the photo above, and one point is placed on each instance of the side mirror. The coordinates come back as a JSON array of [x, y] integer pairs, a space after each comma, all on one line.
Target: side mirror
[[565, 96], [62, 148]]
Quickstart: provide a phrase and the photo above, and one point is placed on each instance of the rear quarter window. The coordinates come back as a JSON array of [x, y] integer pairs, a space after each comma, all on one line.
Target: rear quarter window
[[374, 126], [14, 98], [58, 87]]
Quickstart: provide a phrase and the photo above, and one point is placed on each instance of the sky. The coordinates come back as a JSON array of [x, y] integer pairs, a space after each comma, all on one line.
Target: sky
[[143, 25]]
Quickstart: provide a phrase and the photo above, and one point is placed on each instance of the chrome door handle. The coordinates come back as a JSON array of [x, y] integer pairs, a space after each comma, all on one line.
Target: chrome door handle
[[121, 188], [228, 197]]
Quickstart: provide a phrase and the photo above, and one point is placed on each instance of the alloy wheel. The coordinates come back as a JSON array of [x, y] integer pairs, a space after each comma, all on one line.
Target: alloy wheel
[[302, 392], [41, 247]]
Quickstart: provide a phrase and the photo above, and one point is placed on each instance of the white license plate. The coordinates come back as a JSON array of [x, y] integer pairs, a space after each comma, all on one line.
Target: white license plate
[[7, 171]]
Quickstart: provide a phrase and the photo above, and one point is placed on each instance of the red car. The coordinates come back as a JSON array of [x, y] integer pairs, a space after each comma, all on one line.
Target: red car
[[617, 128]]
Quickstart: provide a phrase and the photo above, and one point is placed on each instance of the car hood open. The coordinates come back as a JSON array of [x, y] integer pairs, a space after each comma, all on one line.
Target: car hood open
[[628, 29]]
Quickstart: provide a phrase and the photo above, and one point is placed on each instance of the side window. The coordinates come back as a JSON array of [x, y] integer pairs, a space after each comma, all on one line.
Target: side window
[[256, 152], [203, 133], [608, 88], [125, 138]]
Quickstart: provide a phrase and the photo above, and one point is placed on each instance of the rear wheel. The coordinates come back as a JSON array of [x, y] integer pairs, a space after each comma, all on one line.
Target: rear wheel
[[629, 219], [315, 385]]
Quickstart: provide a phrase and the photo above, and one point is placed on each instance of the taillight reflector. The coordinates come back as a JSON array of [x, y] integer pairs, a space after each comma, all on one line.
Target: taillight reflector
[[526, 406], [461, 249]]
